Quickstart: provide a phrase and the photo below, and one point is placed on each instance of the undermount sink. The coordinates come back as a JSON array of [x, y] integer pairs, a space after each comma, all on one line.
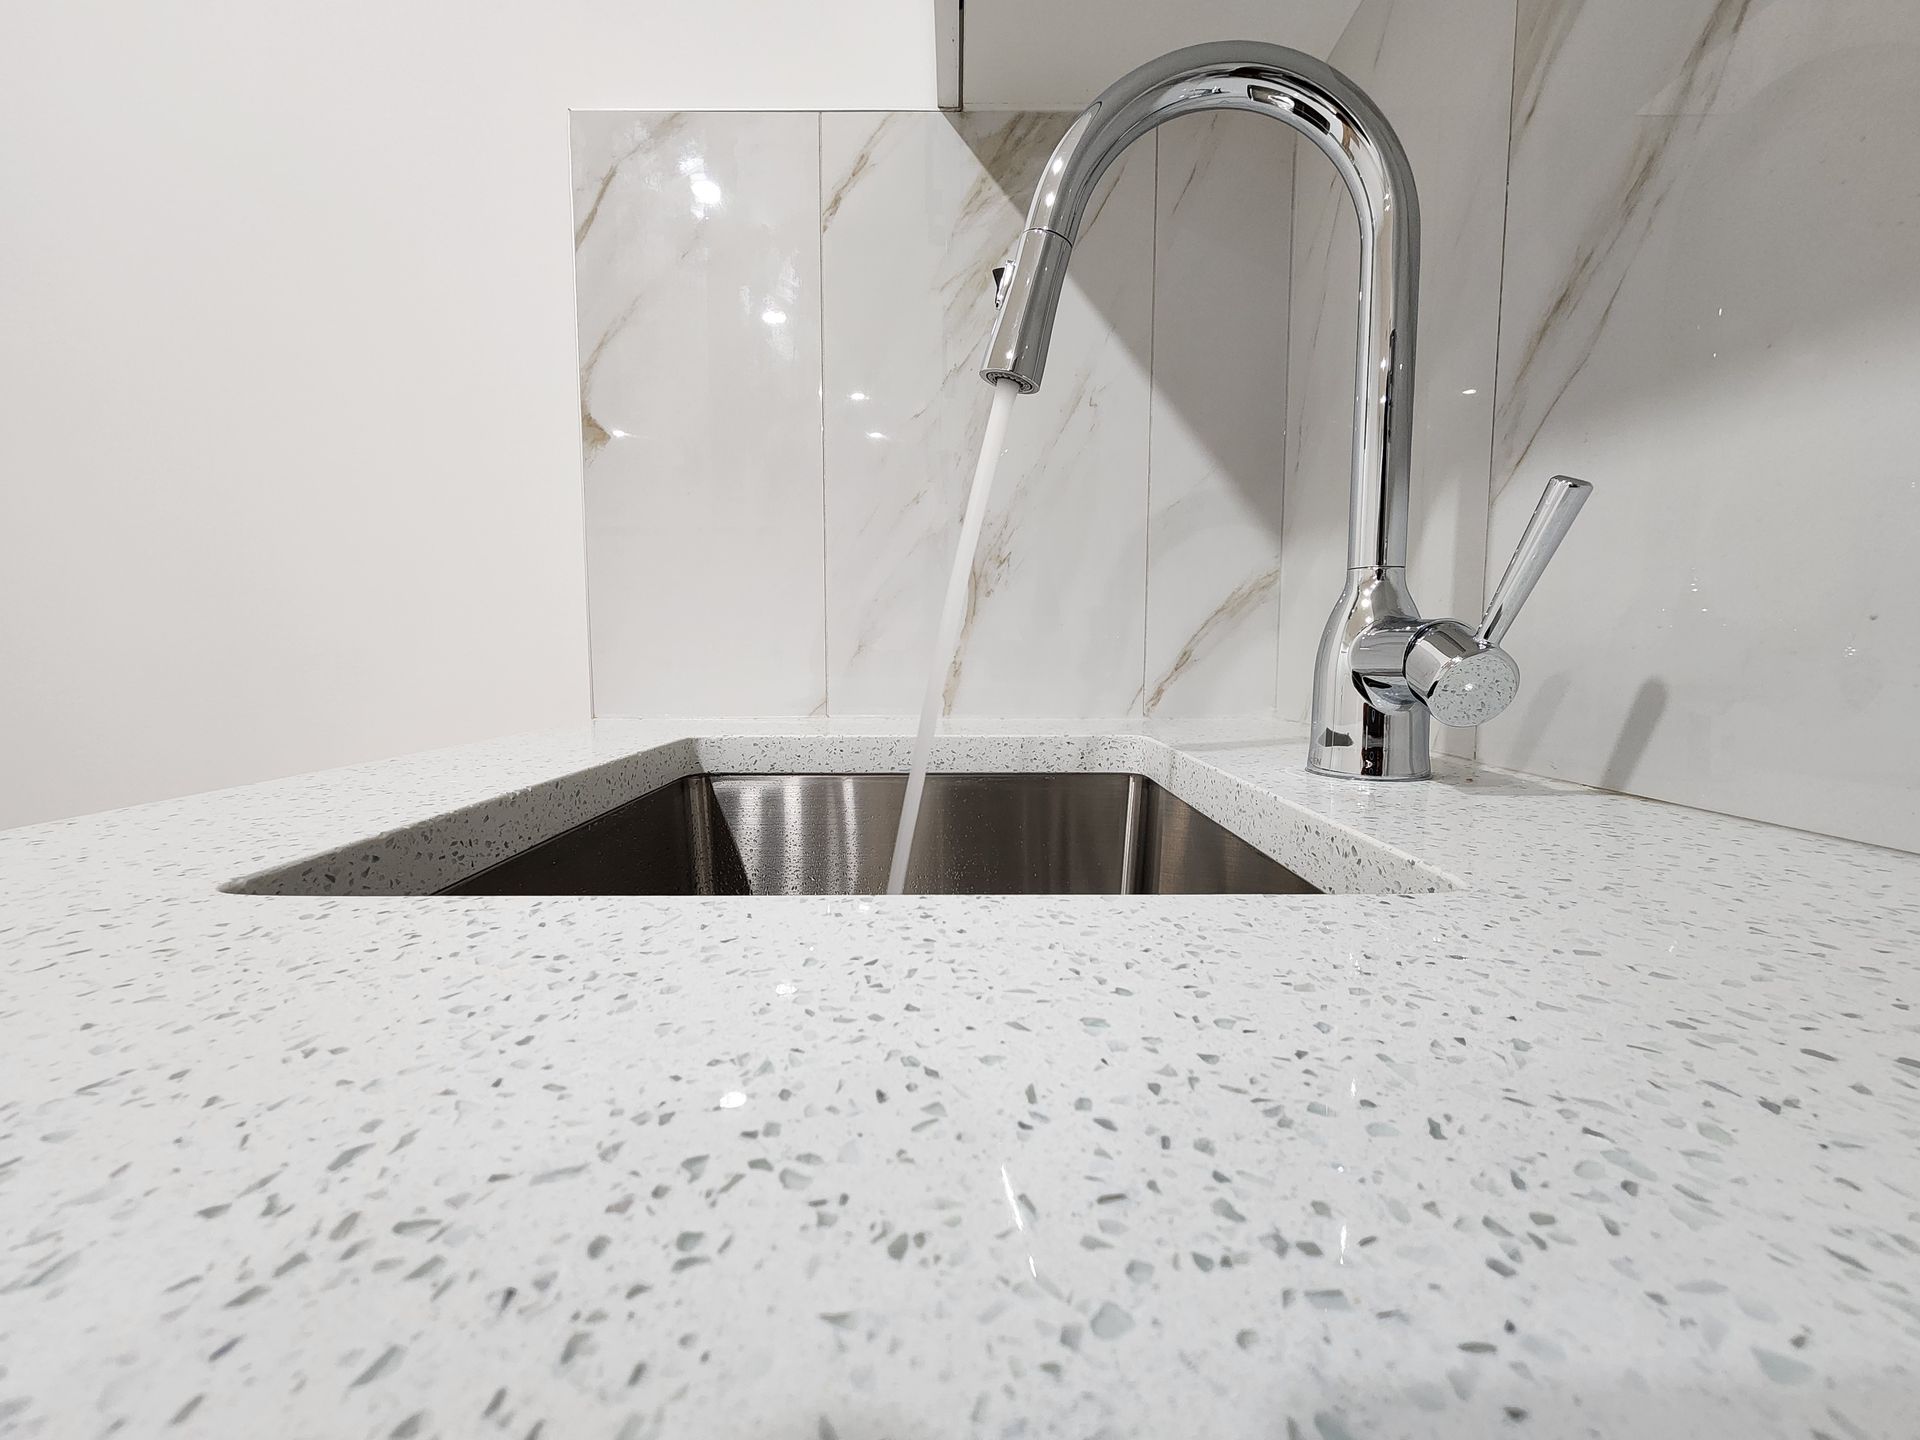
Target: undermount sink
[[1019, 834]]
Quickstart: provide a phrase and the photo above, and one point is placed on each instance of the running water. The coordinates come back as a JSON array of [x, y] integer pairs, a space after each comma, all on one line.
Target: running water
[[951, 617]]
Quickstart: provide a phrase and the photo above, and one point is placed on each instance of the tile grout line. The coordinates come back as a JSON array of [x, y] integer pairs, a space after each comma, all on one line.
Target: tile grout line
[[1499, 326], [1286, 414], [820, 296], [1286, 451], [1153, 401], [580, 385]]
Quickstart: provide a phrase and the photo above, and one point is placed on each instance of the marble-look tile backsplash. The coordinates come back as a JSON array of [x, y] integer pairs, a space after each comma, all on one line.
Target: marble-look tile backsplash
[[1667, 247], [781, 316]]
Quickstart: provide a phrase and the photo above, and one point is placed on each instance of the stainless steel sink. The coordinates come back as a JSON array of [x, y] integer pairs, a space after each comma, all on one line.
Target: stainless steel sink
[[1073, 834]]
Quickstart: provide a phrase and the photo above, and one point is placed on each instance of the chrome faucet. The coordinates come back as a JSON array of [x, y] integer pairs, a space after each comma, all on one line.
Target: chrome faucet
[[1382, 670]]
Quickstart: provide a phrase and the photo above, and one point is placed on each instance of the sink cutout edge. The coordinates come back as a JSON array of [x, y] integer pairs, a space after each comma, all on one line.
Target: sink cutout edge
[[417, 857]]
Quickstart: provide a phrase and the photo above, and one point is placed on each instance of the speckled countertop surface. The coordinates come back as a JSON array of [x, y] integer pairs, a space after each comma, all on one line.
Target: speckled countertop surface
[[1620, 1136]]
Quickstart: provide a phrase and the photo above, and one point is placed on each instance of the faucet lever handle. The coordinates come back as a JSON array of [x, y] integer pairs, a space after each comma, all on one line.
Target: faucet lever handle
[[1463, 677], [1559, 503]]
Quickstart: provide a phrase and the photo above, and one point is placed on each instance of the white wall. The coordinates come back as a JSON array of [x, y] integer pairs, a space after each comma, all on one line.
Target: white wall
[[289, 436]]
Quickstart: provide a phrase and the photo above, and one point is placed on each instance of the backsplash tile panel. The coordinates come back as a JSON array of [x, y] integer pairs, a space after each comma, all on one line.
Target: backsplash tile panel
[[1217, 455], [698, 261], [1060, 586], [919, 207]]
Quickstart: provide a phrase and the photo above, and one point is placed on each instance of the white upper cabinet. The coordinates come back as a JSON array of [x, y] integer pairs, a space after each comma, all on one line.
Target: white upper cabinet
[[1059, 54]]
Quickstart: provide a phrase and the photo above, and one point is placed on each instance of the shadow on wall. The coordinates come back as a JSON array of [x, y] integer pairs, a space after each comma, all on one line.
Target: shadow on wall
[[1636, 732], [1245, 274]]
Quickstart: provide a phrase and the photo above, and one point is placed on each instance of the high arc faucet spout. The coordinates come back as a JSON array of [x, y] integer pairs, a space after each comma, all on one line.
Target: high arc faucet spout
[[1320, 103]]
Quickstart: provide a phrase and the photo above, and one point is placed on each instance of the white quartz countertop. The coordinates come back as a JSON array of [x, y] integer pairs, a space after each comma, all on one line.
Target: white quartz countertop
[[1617, 1133]]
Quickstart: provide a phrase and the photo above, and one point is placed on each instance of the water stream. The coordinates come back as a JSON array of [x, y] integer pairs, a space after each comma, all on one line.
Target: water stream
[[952, 615]]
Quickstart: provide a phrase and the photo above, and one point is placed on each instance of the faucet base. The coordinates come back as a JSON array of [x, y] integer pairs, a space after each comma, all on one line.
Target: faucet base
[[1313, 769], [1366, 729]]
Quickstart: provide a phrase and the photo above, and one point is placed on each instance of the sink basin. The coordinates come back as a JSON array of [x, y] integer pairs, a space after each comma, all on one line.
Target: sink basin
[[1023, 834]]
